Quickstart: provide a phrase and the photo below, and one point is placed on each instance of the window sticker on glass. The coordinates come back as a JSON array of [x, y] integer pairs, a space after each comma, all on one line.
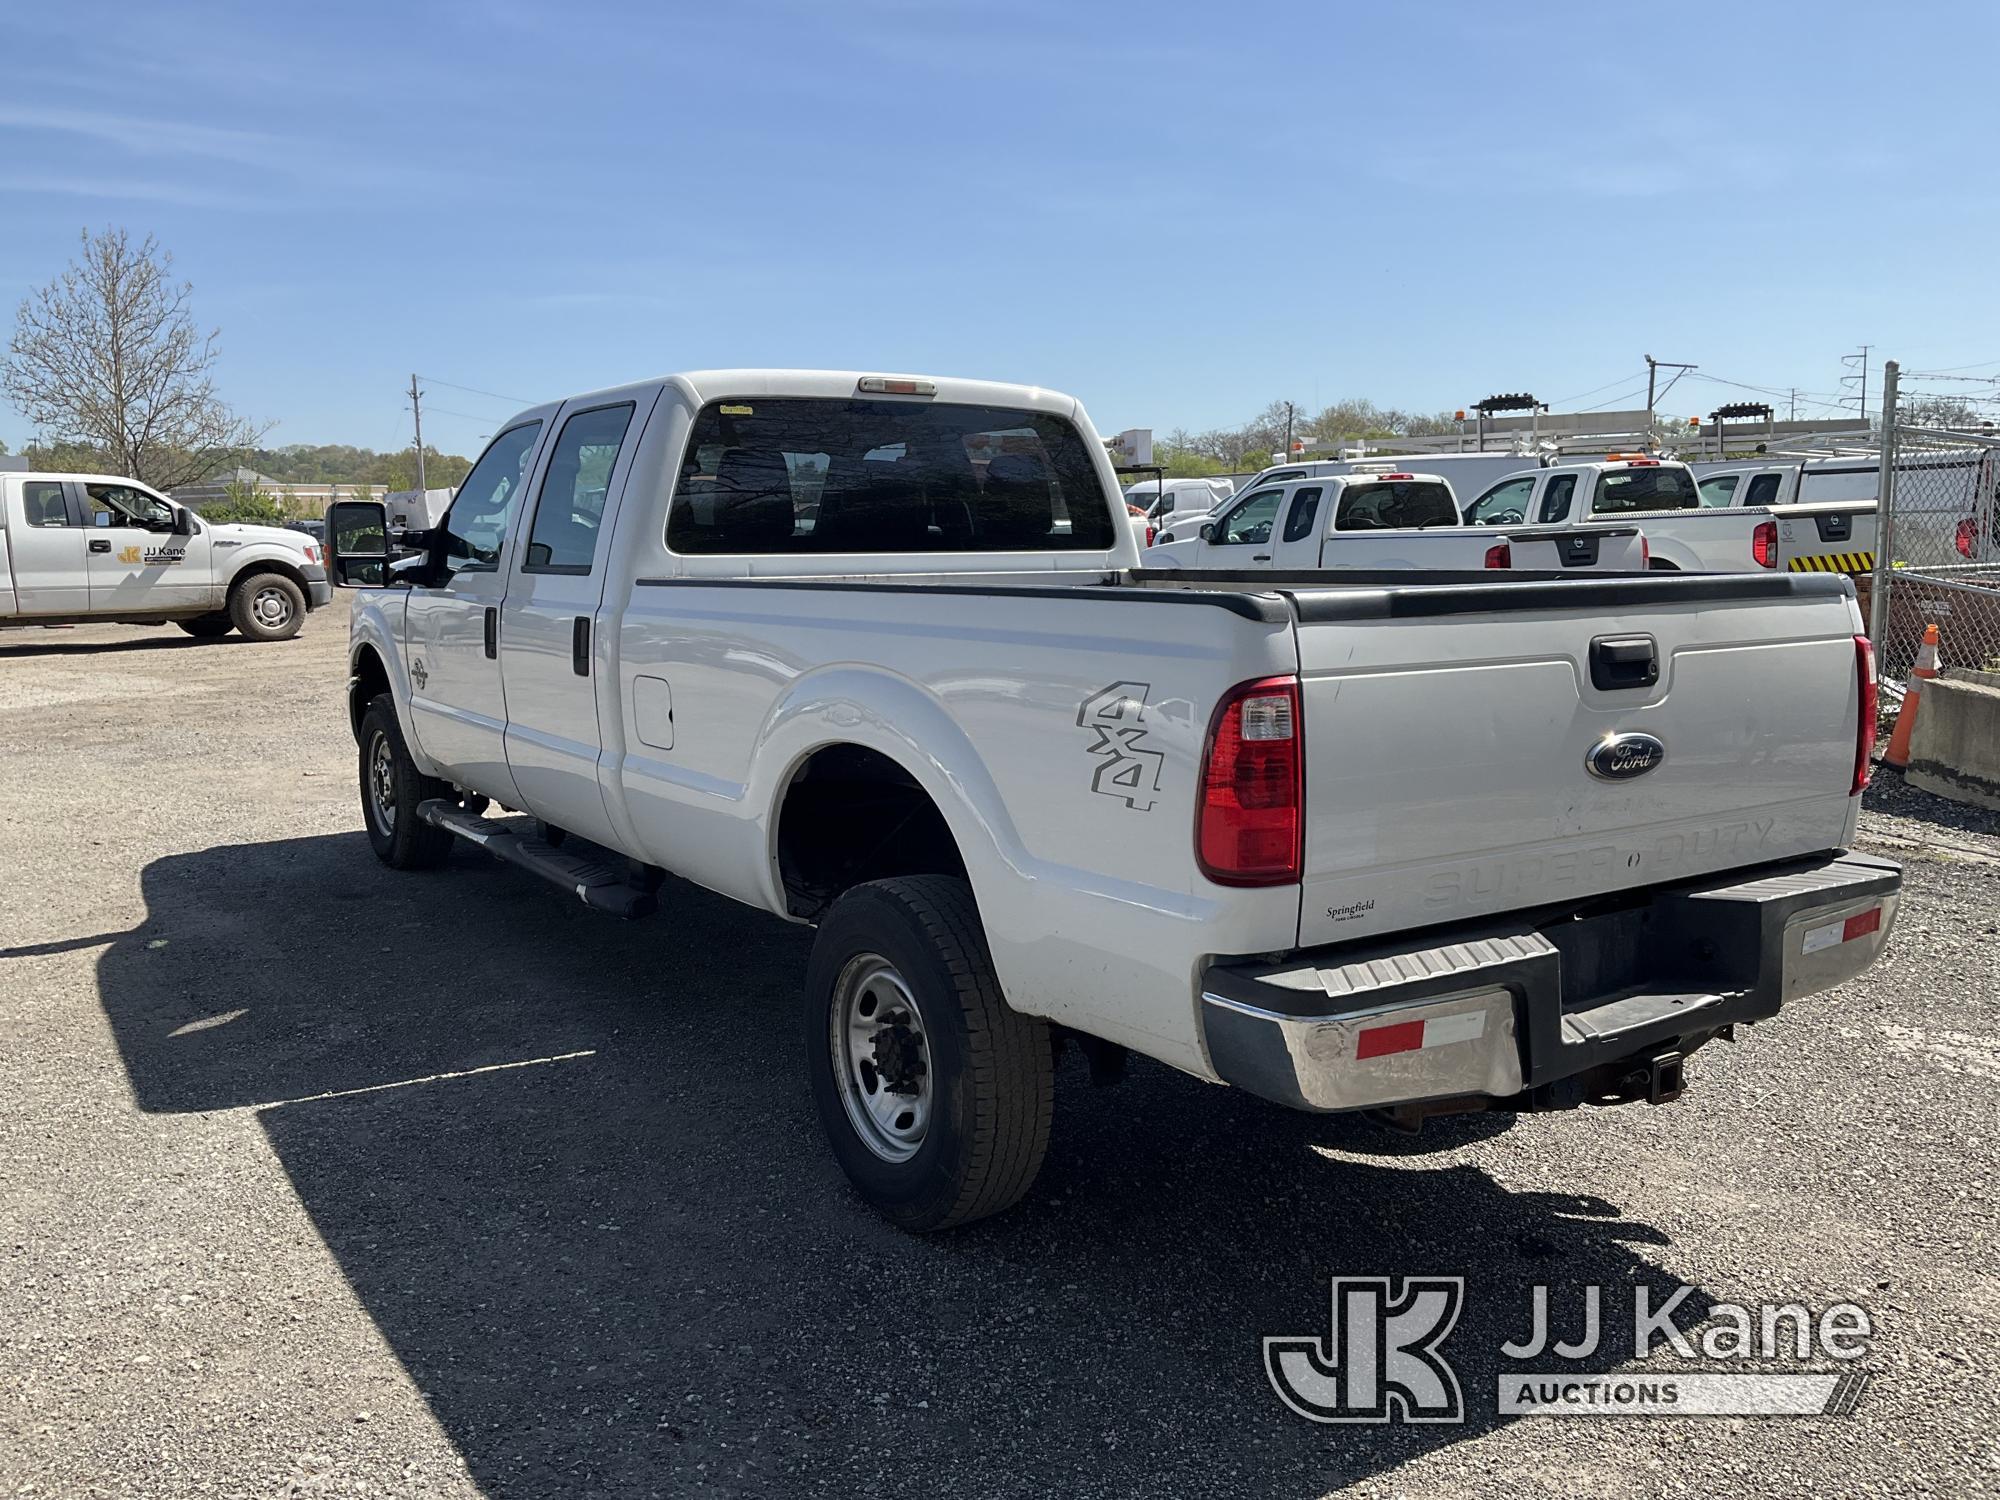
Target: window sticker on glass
[[738, 411]]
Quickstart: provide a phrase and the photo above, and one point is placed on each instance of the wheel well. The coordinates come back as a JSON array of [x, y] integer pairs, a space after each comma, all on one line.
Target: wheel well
[[1661, 565], [851, 815], [370, 678], [252, 569]]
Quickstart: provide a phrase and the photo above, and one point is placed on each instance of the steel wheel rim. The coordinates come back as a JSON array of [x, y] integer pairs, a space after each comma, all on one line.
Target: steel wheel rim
[[273, 608], [881, 1057], [382, 783]]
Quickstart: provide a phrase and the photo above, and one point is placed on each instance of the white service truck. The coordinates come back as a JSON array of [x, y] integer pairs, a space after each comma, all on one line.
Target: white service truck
[[1661, 496], [1380, 521], [93, 548], [872, 653]]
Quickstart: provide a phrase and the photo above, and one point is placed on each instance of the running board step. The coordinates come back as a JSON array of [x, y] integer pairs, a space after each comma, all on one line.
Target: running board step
[[600, 886]]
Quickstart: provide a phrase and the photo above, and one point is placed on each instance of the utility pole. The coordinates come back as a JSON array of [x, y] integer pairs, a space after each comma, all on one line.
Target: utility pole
[[1653, 368], [1851, 361], [417, 411], [1288, 433]]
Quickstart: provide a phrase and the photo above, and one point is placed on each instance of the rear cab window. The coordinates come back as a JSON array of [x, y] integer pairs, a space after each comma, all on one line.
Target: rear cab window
[[778, 475], [1395, 504], [1626, 491]]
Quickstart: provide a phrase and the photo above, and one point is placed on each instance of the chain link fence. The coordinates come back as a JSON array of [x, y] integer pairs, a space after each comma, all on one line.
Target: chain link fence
[[1939, 544]]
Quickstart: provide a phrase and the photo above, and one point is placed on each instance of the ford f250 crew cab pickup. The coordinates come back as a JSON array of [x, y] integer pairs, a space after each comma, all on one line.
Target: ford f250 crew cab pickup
[[1382, 521], [1661, 496], [89, 548], [872, 653]]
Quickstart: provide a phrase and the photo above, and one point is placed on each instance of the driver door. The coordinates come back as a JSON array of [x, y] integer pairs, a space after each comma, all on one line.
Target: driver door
[[458, 706], [134, 559], [1506, 504], [1241, 536]]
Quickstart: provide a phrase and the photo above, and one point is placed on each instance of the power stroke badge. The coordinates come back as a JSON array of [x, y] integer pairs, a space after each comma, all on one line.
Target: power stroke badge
[[1128, 768]]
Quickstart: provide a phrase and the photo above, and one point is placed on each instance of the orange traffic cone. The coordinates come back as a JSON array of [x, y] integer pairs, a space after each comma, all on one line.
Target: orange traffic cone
[[1898, 753]]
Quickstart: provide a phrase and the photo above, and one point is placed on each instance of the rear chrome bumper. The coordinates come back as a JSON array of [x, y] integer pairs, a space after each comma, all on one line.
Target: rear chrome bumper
[[1542, 1016]]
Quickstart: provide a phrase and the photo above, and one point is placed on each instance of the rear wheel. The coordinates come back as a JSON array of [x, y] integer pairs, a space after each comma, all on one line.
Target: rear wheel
[[391, 788], [207, 627], [936, 1097], [267, 607]]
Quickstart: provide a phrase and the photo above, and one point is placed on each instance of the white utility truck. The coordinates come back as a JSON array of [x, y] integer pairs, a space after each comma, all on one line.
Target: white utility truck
[[1661, 496], [91, 548], [871, 652], [1381, 521]]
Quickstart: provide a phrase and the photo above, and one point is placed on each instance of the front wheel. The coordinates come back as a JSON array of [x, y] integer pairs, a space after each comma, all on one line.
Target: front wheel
[[935, 1096], [391, 788], [268, 607]]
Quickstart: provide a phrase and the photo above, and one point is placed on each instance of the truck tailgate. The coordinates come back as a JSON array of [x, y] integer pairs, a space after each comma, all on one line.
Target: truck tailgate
[[1826, 536], [1450, 731]]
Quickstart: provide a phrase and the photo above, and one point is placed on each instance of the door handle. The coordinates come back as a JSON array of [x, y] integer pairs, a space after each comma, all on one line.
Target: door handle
[[492, 633], [579, 646], [1261, 557], [99, 544]]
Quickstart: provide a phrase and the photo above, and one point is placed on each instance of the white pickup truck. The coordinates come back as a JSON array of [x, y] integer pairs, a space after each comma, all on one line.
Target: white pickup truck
[[1381, 521], [1817, 535], [871, 653], [1682, 533], [91, 548]]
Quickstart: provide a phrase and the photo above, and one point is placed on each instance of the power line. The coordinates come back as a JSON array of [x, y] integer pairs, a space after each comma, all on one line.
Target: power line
[[473, 390], [1565, 400]]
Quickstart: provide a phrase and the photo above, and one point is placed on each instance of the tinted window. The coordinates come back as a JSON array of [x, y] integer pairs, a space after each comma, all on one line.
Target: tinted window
[[1719, 489], [570, 509], [799, 474], [1395, 505], [1620, 491], [43, 500], [476, 525], [1763, 490], [1249, 521], [1504, 505], [1305, 506], [1555, 499]]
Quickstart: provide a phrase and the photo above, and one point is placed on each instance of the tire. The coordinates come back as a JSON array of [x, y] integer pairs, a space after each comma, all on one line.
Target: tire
[[207, 627], [912, 949], [391, 788], [267, 607]]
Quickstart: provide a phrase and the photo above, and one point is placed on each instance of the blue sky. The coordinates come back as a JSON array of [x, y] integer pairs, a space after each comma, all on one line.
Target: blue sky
[[1176, 212]]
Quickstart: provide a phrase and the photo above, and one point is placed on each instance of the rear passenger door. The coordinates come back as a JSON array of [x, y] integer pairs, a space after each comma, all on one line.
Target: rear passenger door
[[45, 541], [549, 624], [1298, 544]]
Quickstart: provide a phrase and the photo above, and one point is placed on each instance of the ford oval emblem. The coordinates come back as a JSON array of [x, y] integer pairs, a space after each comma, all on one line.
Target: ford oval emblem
[[1620, 757]]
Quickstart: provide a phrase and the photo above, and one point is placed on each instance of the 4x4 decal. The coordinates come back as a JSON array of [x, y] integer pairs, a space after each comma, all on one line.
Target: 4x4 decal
[[1128, 768]]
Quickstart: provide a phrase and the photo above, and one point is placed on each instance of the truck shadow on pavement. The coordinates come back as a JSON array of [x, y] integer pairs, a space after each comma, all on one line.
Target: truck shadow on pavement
[[571, 1170]]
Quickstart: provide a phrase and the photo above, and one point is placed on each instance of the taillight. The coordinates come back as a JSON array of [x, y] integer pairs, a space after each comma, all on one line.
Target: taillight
[[1501, 556], [1149, 533], [1968, 531], [1764, 544], [1864, 734], [1645, 551], [1250, 817]]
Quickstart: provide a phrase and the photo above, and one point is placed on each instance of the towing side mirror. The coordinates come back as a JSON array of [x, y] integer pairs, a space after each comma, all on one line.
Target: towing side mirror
[[357, 543], [183, 521]]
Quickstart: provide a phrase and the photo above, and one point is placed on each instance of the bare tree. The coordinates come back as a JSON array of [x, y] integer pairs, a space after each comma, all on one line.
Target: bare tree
[[108, 355]]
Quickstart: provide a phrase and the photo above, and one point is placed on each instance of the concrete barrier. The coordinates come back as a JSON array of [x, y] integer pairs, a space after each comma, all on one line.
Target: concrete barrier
[[1955, 751]]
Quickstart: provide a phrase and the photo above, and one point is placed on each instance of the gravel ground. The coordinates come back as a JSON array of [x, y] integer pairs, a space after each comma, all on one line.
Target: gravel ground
[[320, 1179]]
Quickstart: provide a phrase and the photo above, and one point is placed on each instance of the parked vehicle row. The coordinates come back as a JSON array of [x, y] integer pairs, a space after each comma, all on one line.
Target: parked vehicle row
[[1379, 521], [77, 548], [1662, 497], [873, 653]]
